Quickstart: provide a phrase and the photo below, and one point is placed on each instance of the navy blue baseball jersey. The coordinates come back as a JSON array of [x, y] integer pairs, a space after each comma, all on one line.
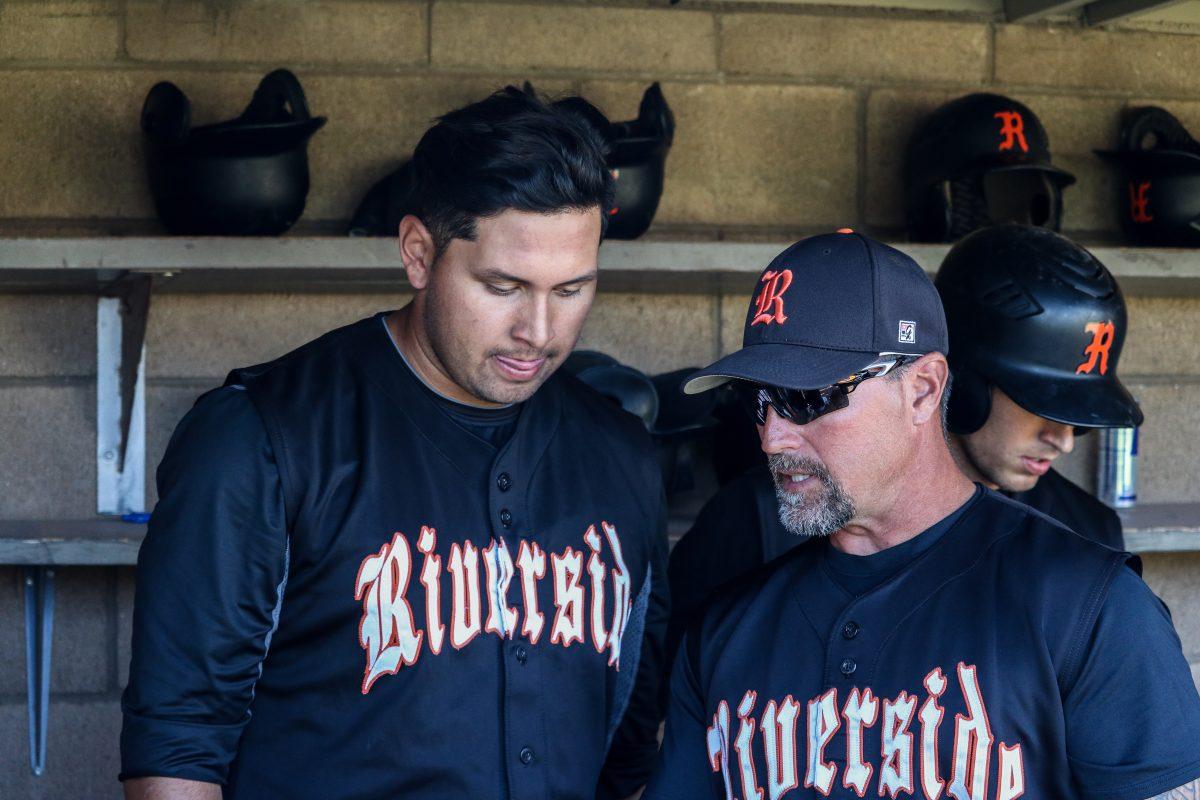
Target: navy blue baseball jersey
[[1060, 499], [738, 530], [996, 655], [346, 593]]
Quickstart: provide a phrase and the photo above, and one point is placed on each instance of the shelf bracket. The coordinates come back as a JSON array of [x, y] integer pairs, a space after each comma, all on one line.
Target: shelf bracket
[[39, 630], [122, 311]]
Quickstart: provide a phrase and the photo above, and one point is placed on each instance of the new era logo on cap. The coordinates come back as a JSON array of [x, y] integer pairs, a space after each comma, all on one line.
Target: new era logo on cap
[[827, 307]]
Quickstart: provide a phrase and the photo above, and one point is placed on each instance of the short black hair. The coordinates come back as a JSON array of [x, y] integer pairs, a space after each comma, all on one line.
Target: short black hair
[[510, 151]]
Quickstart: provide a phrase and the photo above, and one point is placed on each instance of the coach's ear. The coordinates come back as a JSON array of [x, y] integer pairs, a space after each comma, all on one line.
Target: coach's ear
[[416, 250], [926, 379]]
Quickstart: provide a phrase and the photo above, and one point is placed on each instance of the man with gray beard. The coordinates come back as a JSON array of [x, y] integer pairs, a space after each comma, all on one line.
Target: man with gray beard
[[916, 596], [833, 510], [1058, 354]]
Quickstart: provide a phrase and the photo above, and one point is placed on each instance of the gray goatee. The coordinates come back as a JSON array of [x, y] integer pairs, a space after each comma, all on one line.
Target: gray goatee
[[829, 511]]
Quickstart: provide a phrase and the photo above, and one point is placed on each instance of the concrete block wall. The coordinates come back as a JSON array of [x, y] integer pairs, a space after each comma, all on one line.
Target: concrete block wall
[[791, 119]]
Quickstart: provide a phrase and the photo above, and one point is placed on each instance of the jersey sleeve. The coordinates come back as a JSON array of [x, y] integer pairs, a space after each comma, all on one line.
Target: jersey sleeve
[[1133, 714], [684, 771], [210, 580]]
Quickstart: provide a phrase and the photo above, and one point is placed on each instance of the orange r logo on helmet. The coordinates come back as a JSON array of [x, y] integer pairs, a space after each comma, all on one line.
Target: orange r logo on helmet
[[769, 305], [1097, 352], [1012, 128], [1139, 202]]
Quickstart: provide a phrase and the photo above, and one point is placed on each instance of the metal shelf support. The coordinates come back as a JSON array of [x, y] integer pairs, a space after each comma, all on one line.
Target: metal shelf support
[[39, 630]]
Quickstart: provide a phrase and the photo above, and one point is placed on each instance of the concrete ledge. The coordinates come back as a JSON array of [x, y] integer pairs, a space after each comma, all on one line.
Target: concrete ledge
[[318, 264], [1162, 527], [98, 542], [1151, 528]]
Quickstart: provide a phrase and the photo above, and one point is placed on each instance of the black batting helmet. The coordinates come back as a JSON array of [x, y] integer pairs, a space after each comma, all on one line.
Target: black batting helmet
[[637, 158], [980, 160], [1160, 196], [1036, 315], [244, 177]]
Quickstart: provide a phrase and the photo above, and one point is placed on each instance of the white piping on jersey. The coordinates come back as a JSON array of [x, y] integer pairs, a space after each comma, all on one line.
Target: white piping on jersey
[[279, 590]]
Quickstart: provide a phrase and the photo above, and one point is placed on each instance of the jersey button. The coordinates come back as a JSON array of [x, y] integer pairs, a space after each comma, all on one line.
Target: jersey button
[[521, 653], [850, 630], [848, 667], [506, 517], [526, 756], [504, 482]]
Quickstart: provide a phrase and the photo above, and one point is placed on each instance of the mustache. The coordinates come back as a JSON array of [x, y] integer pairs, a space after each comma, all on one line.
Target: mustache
[[781, 462], [809, 517], [548, 355]]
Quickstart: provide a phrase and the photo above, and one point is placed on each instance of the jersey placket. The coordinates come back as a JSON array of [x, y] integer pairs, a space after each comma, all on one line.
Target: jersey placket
[[520, 664]]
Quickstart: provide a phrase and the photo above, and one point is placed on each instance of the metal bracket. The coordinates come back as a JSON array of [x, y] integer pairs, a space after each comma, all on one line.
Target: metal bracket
[[39, 630], [121, 315]]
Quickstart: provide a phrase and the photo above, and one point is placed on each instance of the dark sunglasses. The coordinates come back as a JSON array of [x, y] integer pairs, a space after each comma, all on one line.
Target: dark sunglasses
[[802, 406]]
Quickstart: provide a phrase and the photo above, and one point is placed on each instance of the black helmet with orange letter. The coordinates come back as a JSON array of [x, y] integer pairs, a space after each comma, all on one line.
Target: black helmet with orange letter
[[980, 160], [1033, 313], [1160, 196]]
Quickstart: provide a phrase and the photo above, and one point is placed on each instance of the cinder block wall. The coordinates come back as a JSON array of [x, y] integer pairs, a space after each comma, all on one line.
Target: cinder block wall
[[791, 119]]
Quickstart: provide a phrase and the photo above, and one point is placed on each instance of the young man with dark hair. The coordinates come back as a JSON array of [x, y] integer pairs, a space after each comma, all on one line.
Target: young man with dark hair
[[1036, 325], [408, 559]]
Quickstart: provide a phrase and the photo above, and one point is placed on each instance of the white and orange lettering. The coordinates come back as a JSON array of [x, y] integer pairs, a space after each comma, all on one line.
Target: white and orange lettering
[[596, 573], [779, 740], [823, 723], [716, 739], [465, 622], [387, 630], [896, 769], [744, 746], [502, 618], [622, 599], [1012, 773], [431, 579], [532, 563], [861, 712], [972, 742], [931, 719], [568, 597]]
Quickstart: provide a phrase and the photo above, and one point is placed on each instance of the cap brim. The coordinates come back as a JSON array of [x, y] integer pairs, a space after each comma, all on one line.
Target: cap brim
[[790, 366], [1107, 404], [1063, 177]]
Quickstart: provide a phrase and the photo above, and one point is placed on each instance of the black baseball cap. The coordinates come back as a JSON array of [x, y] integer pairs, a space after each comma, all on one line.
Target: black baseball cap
[[827, 307]]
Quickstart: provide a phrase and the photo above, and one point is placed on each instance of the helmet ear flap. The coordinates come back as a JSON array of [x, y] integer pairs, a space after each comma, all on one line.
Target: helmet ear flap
[[970, 402]]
